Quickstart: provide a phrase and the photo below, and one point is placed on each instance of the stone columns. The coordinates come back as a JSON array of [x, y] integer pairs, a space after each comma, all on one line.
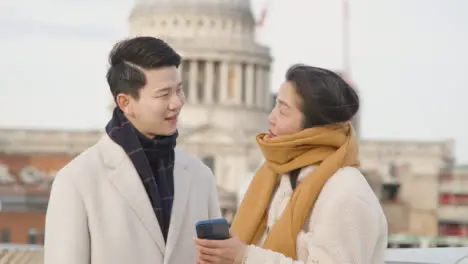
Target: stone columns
[[259, 87], [250, 86], [223, 81], [181, 72], [193, 80], [181, 68], [209, 70], [266, 85], [255, 78], [238, 86]]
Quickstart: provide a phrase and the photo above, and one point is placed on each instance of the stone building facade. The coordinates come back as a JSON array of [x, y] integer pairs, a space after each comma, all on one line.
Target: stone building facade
[[413, 180], [453, 202], [226, 81]]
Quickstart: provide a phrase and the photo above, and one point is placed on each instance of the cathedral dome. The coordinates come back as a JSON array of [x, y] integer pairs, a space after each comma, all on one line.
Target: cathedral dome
[[226, 4], [239, 9], [210, 21]]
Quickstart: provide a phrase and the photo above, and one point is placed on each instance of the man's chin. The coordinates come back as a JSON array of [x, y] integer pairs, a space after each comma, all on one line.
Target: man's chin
[[167, 132]]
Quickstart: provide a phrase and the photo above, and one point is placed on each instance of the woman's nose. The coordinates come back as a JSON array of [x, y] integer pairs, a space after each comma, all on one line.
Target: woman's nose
[[271, 118]]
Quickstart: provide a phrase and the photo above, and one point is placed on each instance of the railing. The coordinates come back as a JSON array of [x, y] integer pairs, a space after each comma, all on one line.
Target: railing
[[455, 186], [428, 256], [457, 213], [21, 254], [32, 254]]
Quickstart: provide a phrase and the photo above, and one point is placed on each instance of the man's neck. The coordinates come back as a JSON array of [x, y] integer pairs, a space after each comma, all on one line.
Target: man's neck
[[149, 136]]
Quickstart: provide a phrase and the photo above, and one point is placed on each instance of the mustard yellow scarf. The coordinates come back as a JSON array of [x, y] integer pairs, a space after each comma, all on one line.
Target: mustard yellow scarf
[[330, 147]]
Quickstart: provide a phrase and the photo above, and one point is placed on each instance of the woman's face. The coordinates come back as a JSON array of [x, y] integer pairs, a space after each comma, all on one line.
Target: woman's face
[[286, 118]]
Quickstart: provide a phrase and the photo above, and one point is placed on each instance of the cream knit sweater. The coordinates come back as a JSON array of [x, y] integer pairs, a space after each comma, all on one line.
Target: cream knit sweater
[[346, 226]]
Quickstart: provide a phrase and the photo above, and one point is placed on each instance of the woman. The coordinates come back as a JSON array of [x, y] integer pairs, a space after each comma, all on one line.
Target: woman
[[308, 203]]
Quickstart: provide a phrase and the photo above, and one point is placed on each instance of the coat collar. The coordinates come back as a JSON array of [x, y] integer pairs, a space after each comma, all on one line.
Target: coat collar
[[122, 174]]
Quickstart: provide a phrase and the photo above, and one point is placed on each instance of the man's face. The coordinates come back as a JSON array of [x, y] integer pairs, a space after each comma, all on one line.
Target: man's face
[[157, 109]]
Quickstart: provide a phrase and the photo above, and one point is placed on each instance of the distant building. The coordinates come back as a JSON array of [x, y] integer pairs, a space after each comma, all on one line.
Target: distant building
[[453, 202], [411, 179], [28, 164]]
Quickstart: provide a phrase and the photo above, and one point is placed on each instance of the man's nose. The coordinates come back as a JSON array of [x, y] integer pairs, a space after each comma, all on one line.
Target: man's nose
[[176, 102]]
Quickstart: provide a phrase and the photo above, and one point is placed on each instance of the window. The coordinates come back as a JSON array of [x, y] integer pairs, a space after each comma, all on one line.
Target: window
[[31, 175], [210, 162], [453, 199], [390, 192], [393, 169], [5, 176], [5, 236], [446, 177], [450, 229], [32, 236], [446, 198], [462, 199]]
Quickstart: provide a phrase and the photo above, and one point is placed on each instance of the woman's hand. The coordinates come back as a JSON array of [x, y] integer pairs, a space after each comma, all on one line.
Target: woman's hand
[[218, 251]]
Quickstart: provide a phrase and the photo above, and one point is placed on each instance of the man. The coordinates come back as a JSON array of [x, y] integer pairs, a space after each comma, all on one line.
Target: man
[[133, 197]]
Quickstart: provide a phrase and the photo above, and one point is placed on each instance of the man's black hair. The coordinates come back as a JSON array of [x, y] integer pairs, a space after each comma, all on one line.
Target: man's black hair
[[130, 56]]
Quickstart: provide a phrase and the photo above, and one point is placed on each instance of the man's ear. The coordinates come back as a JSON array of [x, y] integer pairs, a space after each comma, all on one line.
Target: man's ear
[[124, 103]]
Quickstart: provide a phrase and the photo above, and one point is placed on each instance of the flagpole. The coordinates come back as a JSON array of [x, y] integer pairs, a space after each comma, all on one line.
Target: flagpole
[[346, 39]]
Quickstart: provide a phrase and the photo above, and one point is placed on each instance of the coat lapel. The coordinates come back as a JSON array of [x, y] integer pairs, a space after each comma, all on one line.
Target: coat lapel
[[124, 177], [182, 184]]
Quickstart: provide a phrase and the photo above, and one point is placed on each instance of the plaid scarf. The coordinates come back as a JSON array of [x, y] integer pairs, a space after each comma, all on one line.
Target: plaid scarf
[[153, 160]]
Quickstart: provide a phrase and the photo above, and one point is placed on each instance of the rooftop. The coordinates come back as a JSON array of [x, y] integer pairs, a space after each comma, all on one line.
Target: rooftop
[[19, 254], [29, 254], [75, 141]]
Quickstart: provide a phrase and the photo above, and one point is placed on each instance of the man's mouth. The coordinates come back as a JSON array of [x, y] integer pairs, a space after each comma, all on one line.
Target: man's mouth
[[172, 118]]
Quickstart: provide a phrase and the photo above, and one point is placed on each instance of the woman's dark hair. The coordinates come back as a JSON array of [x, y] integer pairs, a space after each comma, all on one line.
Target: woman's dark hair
[[325, 97]]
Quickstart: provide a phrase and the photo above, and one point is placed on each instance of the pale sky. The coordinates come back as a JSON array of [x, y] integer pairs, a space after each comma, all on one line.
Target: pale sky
[[409, 61]]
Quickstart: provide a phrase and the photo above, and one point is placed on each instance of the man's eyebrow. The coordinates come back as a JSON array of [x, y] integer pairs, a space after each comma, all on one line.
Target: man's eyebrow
[[163, 90], [167, 88]]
